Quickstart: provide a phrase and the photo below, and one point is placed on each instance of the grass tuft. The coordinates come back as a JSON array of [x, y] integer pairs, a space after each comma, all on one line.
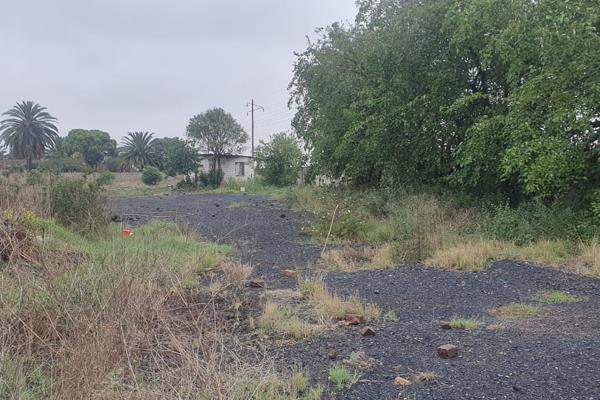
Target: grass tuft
[[282, 320], [549, 297], [330, 305], [519, 311], [471, 256], [342, 377], [467, 324]]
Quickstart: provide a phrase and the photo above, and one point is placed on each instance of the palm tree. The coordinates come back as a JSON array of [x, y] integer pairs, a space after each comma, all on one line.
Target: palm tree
[[138, 149], [28, 131]]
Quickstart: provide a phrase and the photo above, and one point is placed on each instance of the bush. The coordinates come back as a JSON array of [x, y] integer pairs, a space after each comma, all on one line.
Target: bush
[[151, 176], [105, 178], [212, 178], [79, 204]]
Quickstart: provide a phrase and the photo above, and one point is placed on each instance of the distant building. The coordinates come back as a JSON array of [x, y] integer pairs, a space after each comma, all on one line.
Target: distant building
[[235, 167]]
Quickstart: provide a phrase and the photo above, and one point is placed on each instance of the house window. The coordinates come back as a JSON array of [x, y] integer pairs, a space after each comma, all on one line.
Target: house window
[[239, 169]]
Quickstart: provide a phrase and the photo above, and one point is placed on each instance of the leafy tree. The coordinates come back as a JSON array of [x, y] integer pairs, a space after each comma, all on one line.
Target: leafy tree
[[485, 95], [138, 149], [93, 145], [176, 156], [279, 160], [217, 133], [28, 131]]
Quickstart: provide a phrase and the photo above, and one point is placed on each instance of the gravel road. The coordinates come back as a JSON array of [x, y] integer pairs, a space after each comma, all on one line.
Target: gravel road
[[553, 356]]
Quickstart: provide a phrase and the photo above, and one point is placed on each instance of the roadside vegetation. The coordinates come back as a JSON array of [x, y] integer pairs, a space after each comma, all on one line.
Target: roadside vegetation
[[443, 230], [87, 312]]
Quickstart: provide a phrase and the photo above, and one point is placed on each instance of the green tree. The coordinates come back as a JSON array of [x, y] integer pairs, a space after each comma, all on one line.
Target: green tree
[[485, 95], [177, 157], [138, 149], [216, 133], [93, 145], [279, 160], [28, 130]]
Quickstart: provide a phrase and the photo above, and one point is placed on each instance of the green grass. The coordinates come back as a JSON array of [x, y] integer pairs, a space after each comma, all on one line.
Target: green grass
[[519, 311], [157, 242], [18, 380], [282, 320], [549, 297], [342, 377], [467, 324]]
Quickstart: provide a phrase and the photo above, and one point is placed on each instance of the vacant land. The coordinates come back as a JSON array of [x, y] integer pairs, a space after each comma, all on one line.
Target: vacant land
[[523, 331]]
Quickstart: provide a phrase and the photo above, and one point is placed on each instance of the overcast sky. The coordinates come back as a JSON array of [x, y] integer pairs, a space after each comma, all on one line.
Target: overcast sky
[[127, 65]]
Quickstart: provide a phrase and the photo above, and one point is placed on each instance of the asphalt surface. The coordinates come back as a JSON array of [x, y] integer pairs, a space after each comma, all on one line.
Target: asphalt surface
[[553, 356]]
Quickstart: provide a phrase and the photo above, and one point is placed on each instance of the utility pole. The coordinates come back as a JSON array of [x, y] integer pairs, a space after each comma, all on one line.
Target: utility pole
[[253, 107]]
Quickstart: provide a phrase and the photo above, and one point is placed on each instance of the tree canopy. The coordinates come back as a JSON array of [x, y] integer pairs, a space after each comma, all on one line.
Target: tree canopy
[[484, 95], [93, 145], [176, 156], [280, 159], [28, 130], [217, 133]]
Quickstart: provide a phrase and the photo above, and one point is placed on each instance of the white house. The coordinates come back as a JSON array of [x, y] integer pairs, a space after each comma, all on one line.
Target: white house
[[235, 167]]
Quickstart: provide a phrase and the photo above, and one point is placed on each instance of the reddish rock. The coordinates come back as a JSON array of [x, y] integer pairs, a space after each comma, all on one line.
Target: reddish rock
[[445, 325], [367, 331], [447, 351], [354, 319], [290, 273], [399, 381], [332, 355]]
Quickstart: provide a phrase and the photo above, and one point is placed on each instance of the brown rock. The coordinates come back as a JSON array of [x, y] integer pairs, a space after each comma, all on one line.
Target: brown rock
[[447, 351], [354, 319], [399, 381], [445, 325], [367, 331], [290, 273], [332, 355]]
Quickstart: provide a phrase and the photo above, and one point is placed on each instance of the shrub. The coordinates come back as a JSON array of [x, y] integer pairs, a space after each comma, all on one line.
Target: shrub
[[79, 204], [211, 179], [151, 176], [105, 178]]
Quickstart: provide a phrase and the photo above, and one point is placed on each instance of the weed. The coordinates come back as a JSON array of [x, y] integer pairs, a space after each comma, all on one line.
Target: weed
[[351, 259], [282, 320], [390, 316], [239, 204], [467, 256], [465, 323], [342, 377], [548, 297], [330, 305], [359, 360], [518, 311], [590, 259], [426, 377]]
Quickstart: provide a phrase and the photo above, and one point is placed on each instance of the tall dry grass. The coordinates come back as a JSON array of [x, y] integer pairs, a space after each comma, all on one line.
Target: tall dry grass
[[107, 317]]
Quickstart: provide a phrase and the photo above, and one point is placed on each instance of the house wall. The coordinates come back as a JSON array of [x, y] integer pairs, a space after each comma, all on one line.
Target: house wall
[[228, 167]]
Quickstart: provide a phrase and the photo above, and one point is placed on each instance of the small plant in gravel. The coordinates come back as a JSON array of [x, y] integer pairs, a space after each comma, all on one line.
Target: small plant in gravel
[[277, 319], [238, 204], [342, 377], [391, 316], [426, 377], [467, 324], [473, 256], [330, 305], [359, 360], [549, 297], [519, 311]]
